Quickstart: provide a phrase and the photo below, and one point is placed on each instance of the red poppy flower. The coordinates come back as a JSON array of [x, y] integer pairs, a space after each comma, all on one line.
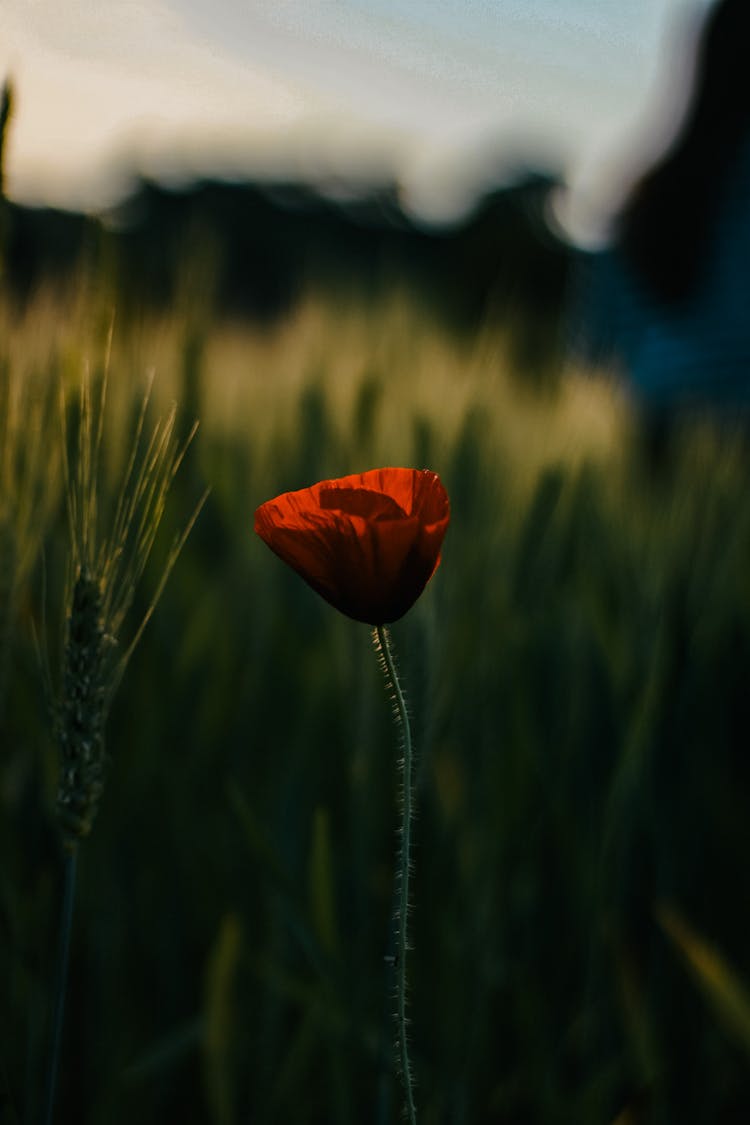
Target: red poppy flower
[[367, 543]]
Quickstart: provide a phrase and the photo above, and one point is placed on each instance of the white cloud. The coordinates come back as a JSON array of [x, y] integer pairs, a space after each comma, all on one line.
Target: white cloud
[[93, 79], [229, 80]]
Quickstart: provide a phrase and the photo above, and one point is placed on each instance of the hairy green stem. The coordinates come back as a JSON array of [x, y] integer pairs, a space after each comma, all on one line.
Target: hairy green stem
[[61, 980], [383, 647]]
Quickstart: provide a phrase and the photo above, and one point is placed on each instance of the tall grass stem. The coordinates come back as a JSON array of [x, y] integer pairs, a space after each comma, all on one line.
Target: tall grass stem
[[384, 650], [61, 980]]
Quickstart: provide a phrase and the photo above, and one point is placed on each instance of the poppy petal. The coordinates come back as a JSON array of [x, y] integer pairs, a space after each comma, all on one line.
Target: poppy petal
[[368, 543]]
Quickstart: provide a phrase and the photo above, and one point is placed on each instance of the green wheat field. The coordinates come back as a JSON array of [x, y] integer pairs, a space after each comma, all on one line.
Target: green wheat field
[[578, 672]]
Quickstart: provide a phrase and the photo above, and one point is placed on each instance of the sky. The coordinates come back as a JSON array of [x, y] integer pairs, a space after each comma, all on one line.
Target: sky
[[445, 94]]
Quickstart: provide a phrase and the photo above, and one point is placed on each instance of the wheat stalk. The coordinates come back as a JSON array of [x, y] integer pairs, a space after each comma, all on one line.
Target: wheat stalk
[[106, 567]]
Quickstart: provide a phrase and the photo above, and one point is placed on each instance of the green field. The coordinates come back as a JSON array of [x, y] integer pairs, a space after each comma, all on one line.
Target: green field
[[579, 677]]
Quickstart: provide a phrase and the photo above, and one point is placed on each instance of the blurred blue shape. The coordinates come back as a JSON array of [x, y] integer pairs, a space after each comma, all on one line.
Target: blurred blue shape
[[668, 300]]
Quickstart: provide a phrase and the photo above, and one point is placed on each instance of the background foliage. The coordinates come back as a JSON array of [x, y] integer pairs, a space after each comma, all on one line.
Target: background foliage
[[578, 675]]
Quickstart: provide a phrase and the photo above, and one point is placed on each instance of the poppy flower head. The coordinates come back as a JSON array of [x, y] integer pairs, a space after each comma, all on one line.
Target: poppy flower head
[[368, 543]]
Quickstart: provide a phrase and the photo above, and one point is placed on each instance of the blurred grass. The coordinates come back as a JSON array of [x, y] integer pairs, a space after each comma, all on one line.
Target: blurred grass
[[578, 674]]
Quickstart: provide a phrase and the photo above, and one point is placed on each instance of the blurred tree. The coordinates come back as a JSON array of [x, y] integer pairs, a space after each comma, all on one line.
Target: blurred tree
[[6, 110]]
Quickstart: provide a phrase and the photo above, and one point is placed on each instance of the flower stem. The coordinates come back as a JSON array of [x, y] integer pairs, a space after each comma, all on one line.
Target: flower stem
[[61, 978], [384, 650]]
